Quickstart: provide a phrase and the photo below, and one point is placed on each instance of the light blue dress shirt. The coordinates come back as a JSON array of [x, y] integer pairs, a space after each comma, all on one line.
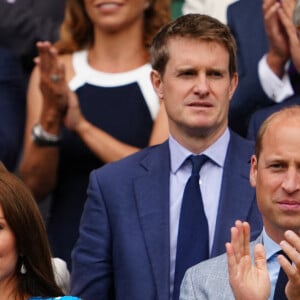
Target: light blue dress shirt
[[210, 185], [273, 265]]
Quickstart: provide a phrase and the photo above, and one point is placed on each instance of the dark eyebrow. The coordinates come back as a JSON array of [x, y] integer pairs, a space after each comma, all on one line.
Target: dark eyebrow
[[222, 71], [185, 69]]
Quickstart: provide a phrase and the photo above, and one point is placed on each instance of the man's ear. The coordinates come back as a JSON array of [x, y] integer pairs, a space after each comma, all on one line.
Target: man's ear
[[253, 171], [233, 84], [157, 83]]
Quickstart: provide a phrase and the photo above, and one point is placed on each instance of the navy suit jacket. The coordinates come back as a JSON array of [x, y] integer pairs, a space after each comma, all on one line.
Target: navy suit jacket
[[12, 108], [258, 118], [123, 250], [245, 19]]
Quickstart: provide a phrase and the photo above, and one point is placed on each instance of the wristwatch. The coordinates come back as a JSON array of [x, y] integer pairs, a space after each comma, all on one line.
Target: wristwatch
[[44, 138]]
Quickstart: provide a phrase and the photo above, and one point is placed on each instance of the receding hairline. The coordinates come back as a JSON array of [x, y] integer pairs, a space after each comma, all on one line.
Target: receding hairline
[[285, 116]]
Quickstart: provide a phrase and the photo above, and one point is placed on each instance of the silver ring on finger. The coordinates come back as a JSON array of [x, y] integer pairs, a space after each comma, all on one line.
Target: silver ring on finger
[[54, 77]]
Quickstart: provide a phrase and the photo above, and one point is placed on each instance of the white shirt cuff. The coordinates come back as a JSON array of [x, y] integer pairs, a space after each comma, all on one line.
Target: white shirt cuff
[[277, 89]]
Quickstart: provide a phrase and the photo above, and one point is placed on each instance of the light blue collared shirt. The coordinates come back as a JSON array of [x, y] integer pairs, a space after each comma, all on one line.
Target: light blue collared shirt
[[273, 265], [210, 184]]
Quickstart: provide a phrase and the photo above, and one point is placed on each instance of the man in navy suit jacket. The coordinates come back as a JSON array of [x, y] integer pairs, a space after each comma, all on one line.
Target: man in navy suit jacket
[[128, 231], [259, 32]]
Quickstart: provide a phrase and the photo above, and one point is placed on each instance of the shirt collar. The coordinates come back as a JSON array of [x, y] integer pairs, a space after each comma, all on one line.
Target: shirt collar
[[271, 247], [216, 152]]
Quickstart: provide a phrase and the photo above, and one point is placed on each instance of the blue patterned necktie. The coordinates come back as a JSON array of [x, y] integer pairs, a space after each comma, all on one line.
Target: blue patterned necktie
[[282, 279], [193, 240]]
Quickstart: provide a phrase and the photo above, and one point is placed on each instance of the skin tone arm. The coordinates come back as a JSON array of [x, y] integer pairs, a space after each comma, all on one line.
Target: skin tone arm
[[282, 35], [39, 164], [40, 173], [103, 145]]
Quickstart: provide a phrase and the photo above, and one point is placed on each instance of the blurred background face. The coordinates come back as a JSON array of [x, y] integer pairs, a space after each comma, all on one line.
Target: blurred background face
[[114, 15], [8, 252], [196, 87], [276, 176]]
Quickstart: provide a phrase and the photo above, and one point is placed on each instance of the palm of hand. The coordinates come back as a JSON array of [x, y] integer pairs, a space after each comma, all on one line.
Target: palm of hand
[[250, 282]]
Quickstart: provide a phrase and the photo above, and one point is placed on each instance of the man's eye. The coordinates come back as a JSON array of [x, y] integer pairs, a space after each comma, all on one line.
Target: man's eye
[[187, 73], [276, 166], [215, 74]]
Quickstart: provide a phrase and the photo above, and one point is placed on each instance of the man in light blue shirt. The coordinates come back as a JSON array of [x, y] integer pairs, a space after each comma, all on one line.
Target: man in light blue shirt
[[131, 222], [253, 269]]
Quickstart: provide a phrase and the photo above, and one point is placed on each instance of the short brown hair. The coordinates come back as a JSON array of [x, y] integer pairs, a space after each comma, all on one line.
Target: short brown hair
[[287, 113], [25, 221], [77, 29], [194, 26]]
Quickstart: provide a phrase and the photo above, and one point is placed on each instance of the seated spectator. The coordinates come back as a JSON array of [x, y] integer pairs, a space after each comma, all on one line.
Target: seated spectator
[[26, 266], [257, 270], [258, 117], [149, 217], [111, 112], [265, 51]]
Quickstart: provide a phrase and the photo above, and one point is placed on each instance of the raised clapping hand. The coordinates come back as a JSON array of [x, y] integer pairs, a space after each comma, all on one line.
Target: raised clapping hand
[[285, 13], [52, 80], [53, 84], [291, 246], [282, 35], [74, 120], [247, 280]]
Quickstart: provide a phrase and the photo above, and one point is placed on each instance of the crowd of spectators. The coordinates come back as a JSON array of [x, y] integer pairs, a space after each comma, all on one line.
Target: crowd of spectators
[[87, 85]]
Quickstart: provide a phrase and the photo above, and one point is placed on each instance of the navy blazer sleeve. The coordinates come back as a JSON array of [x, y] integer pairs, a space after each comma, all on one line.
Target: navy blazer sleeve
[[12, 108], [92, 276], [252, 45]]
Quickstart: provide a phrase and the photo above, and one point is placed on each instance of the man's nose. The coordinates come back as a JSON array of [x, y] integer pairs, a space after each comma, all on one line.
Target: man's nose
[[291, 181], [201, 85]]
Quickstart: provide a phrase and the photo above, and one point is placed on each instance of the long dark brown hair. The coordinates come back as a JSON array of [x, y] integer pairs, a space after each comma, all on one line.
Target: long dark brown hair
[[25, 221]]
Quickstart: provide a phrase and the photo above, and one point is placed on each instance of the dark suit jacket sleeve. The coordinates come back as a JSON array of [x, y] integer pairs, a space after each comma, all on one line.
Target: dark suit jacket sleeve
[[91, 276], [12, 108], [21, 27], [252, 45]]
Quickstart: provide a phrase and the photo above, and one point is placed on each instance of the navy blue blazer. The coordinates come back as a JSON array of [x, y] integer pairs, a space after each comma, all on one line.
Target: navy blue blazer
[[123, 250], [245, 19], [258, 117], [12, 108]]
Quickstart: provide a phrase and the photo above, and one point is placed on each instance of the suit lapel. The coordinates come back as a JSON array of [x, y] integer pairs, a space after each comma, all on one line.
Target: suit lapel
[[236, 195], [152, 198]]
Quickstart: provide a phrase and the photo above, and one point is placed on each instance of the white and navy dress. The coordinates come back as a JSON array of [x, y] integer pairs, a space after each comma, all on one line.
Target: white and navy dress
[[122, 104]]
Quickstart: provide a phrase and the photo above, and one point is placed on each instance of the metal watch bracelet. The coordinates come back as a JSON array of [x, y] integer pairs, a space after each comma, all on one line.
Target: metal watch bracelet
[[44, 138]]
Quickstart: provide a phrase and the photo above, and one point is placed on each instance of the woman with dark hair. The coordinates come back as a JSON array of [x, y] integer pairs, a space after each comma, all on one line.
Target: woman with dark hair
[[26, 268], [111, 112]]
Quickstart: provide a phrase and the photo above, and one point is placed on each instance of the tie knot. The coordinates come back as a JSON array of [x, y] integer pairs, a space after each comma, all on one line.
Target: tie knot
[[197, 162]]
